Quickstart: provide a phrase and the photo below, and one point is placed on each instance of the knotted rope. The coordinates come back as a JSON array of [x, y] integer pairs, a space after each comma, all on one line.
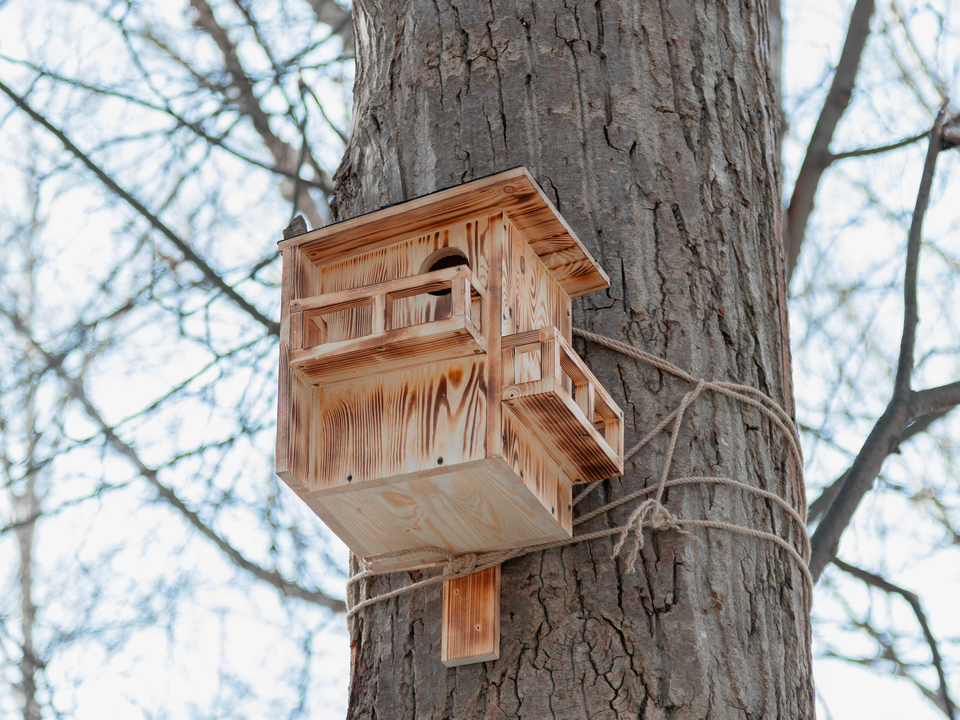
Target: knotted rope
[[650, 513]]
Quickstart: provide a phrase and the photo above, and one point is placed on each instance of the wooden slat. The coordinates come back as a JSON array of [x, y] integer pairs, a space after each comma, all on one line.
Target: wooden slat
[[388, 351], [491, 332], [514, 192], [404, 287], [574, 363], [471, 619]]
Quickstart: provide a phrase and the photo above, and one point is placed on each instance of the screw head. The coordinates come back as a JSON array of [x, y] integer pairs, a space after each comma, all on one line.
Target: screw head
[[439, 461], [349, 478]]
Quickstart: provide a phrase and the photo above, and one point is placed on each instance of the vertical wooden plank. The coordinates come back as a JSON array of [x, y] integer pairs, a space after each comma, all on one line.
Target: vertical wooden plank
[[459, 297], [583, 395], [496, 231], [471, 618], [379, 314], [549, 356], [296, 331], [388, 313], [282, 460], [293, 397], [508, 368]]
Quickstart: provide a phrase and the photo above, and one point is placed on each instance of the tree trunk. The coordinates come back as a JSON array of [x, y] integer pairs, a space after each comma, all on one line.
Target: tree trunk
[[652, 127]]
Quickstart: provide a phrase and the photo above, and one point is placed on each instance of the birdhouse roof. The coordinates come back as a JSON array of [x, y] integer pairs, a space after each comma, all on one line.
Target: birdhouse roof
[[514, 192]]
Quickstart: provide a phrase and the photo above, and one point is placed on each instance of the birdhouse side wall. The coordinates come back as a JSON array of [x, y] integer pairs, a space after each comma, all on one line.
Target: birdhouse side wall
[[532, 299], [532, 296], [296, 399]]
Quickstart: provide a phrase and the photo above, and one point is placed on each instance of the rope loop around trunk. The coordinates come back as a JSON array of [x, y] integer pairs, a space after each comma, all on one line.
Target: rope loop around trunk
[[650, 513]]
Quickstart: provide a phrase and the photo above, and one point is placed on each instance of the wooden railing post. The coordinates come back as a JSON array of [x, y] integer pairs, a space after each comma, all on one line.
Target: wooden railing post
[[378, 307]]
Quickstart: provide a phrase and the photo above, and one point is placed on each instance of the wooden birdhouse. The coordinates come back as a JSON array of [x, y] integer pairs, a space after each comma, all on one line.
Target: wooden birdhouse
[[429, 394]]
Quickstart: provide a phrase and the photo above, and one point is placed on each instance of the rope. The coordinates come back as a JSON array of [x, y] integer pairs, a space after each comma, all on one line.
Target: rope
[[649, 514]]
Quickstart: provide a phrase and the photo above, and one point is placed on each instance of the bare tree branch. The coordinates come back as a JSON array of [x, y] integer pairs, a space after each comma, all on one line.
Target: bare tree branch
[[864, 152], [152, 476], [937, 400], [188, 252], [829, 493], [900, 411], [339, 20], [888, 587], [249, 104], [195, 127], [818, 158]]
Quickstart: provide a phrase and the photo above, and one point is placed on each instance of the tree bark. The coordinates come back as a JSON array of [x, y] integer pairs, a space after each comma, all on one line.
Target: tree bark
[[652, 127]]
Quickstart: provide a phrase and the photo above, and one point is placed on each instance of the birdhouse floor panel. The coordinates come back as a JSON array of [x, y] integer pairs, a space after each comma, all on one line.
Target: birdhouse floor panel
[[474, 507]]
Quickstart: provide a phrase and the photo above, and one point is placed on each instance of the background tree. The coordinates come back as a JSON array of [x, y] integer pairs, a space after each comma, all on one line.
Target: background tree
[[151, 154]]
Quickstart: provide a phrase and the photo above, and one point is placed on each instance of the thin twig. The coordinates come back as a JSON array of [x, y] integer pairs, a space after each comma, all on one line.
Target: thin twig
[[211, 275], [888, 587], [864, 152], [152, 476]]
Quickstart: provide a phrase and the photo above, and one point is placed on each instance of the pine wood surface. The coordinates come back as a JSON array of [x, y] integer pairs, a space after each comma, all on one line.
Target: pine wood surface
[[403, 259], [478, 506], [471, 618], [513, 191], [564, 404], [532, 296], [401, 422]]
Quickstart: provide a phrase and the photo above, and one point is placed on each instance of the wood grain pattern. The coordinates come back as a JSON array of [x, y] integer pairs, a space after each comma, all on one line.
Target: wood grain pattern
[[471, 618], [479, 506], [543, 475], [514, 192], [388, 351], [404, 258], [401, 422], [566, 407], [294, 397], [532, 297], [563, 429], [491, 329]]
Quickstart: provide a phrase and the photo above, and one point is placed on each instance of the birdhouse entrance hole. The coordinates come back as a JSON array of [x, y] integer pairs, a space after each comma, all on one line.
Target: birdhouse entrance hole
[[445, 257]]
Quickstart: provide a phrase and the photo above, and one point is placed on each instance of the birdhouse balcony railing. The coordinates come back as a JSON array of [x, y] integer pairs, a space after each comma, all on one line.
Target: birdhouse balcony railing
[[381, 340], [550, 389]]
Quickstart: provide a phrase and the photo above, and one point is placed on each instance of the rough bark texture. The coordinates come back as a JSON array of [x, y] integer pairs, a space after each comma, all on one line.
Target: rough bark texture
[[652, 127]]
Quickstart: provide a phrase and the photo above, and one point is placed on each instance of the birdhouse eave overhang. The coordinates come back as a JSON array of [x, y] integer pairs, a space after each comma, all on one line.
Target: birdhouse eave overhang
[[513, 192]]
